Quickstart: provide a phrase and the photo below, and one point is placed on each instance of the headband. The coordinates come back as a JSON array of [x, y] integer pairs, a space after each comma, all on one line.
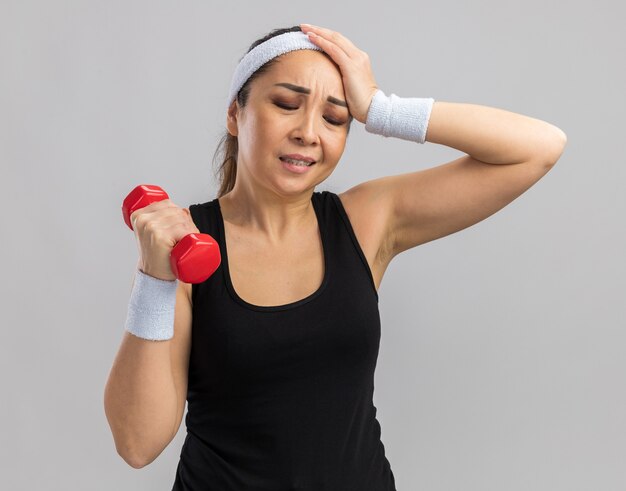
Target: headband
[[264, 52]]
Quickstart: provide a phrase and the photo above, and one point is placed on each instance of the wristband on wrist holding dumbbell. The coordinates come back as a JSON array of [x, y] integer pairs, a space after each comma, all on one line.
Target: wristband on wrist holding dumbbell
[[151, 307], [405, 118], [152, 300]]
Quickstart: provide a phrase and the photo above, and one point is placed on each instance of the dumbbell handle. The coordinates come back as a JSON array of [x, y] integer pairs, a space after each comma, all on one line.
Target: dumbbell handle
[[195, 257]]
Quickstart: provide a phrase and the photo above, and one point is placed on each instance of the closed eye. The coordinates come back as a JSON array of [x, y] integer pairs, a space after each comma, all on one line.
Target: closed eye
[[332, 121], [284, 106]]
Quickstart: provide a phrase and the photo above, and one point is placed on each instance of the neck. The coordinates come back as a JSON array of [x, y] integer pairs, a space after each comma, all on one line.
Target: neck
[[262, 211]]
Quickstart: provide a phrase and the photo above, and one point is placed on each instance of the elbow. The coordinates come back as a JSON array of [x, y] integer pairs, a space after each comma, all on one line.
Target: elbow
[[129, 455], [131, 442], [133, 457], [550, 147], [554, 145], [137, 451], [136, 462], [128, 449]]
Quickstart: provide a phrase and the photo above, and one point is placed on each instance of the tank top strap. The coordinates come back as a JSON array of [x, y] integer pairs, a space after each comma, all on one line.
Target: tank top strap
[[344, 247], [205, 217]]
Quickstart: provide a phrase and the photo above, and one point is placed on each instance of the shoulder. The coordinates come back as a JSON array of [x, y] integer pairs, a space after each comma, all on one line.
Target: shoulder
[[204, 206], [204, 215], [368, 209]]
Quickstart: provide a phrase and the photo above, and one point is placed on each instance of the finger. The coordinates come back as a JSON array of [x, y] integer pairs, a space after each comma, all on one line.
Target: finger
[[334, 36], [330, 34], [336, 53], [163, 213]]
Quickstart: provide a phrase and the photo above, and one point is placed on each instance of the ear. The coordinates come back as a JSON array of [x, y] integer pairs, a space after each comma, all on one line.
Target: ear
[[231, 118]]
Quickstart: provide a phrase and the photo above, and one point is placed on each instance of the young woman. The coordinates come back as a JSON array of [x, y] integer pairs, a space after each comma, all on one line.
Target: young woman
[[275, 353]]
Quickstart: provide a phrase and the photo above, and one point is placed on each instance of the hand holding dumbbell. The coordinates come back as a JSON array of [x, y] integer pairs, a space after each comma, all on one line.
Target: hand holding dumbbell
[[170, 245]]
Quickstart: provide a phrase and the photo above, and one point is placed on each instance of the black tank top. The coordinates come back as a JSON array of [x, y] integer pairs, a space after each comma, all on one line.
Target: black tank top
[[281, 397]]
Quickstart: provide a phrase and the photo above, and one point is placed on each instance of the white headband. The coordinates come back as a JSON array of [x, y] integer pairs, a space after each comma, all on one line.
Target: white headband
[[264, 52]]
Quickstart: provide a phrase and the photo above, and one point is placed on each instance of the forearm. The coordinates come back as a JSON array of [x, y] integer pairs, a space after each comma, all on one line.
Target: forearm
[[493, 135], [141, 400]]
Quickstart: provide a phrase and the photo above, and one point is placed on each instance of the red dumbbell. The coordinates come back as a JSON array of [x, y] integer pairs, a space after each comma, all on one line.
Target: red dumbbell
[[195, 257]]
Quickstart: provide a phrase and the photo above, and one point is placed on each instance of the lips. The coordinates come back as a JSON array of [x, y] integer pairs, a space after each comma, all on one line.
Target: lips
[[297, 156]]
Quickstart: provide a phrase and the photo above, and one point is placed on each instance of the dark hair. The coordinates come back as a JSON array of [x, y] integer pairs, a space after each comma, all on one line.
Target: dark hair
[[228, 145]]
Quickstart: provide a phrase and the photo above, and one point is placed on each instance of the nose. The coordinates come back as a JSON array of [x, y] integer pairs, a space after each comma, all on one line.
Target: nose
[[306, 131]]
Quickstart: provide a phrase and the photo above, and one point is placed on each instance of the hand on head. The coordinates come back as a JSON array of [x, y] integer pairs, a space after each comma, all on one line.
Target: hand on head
[[356, 71]]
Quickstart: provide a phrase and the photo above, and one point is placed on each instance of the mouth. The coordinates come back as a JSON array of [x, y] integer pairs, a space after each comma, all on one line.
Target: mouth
[[298, 160]]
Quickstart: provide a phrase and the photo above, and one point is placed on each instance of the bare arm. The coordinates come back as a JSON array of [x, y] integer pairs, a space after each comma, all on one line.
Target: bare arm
[[506, 154], [145, 394], [493, 135]]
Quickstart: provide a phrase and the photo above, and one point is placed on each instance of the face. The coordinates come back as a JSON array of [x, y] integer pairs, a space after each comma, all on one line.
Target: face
[[296, 108]]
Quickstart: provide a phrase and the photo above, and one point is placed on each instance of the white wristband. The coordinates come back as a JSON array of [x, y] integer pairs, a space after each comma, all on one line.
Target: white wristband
[[151, 307], [405, 118]]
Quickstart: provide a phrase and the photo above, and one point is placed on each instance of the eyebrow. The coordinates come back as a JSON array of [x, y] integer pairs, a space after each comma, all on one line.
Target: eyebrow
[[304, 90]]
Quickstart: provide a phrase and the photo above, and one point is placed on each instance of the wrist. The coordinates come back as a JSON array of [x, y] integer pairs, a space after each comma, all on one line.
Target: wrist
[[151, 307], [399, 117]]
